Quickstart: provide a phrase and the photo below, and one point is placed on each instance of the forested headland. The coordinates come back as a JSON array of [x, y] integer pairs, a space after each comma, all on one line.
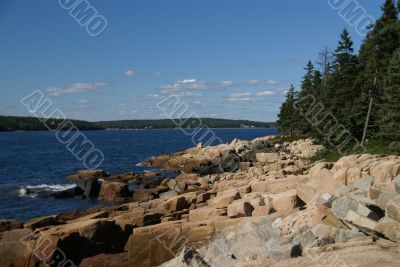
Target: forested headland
[[14, 123], [345, 86]]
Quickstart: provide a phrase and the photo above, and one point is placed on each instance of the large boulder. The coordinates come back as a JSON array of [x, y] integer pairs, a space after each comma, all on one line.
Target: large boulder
[[8, 225], [205, 213], [360, 212], [385, 171], [154, 245], [41, 222], [13, 252], [285, 202], [174, 204], [240, 208], [148, 194], [223, 199], [393, 208], [88, 181], [106, 260], [184, 180], [114, 191], [68, 193], [88, 175], [61, 244]]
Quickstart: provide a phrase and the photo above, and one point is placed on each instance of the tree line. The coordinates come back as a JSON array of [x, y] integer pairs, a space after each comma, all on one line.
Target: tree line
[[183, 123], [344, 82], [14, 123]]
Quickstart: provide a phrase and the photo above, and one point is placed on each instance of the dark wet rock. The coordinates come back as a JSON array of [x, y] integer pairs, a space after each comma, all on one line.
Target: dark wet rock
[[8, 225], [68, 193], [41, 222]]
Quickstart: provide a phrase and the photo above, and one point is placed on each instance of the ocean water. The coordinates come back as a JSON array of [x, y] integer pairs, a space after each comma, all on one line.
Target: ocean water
[[37, 162]]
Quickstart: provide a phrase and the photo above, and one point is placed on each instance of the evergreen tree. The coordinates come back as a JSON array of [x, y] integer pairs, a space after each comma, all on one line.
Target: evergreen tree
[[340, 92], [288, 116], [389, 114], [374, 58], [389, 13], [307, 83], [307, 91], [346, 86], [379, 46], [317, 84], [344, 51]]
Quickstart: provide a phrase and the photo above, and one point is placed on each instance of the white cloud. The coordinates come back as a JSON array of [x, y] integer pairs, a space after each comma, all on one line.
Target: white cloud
[[184, 84], [261, 82], [240, 97], [194, 84], [83, 101], [75, 88], [266, 93], [130, 73], [226, 83], [247, 96], [185, 88]]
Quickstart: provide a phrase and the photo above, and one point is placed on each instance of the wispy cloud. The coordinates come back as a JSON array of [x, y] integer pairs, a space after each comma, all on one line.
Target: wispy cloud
[[247, 96], [186, 88], [194, 84], [240, 97], [75, 88], [130, 73], [266, 93], [261, 82]]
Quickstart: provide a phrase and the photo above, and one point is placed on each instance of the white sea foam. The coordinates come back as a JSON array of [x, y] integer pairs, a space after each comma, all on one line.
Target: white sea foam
[[35, 190], [141, 164]]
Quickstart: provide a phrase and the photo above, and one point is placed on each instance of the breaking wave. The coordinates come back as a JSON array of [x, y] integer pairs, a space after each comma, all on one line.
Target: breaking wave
[[42, 190]]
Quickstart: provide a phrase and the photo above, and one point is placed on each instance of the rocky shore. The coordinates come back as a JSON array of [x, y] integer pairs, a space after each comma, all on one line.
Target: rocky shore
[[247, 203]]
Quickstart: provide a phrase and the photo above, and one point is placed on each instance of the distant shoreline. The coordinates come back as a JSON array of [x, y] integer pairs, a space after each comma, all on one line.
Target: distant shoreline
[[141, 129], [13, 124]]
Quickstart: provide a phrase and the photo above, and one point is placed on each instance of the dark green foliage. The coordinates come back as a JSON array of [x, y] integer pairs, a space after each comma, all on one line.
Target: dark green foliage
[[288, 116], [345, 84], [340, 91], [389, 114], [389, 13], [11, 123], [184, 123]]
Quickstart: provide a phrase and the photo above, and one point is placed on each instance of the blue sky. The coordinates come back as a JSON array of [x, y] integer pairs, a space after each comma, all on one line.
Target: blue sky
[[225, 59]]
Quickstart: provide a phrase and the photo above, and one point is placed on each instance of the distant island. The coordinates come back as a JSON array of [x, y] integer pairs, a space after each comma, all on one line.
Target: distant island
[[15, 123]]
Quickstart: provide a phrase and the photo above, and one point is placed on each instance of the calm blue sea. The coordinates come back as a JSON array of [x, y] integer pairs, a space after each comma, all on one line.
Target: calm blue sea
[[36, 160]]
